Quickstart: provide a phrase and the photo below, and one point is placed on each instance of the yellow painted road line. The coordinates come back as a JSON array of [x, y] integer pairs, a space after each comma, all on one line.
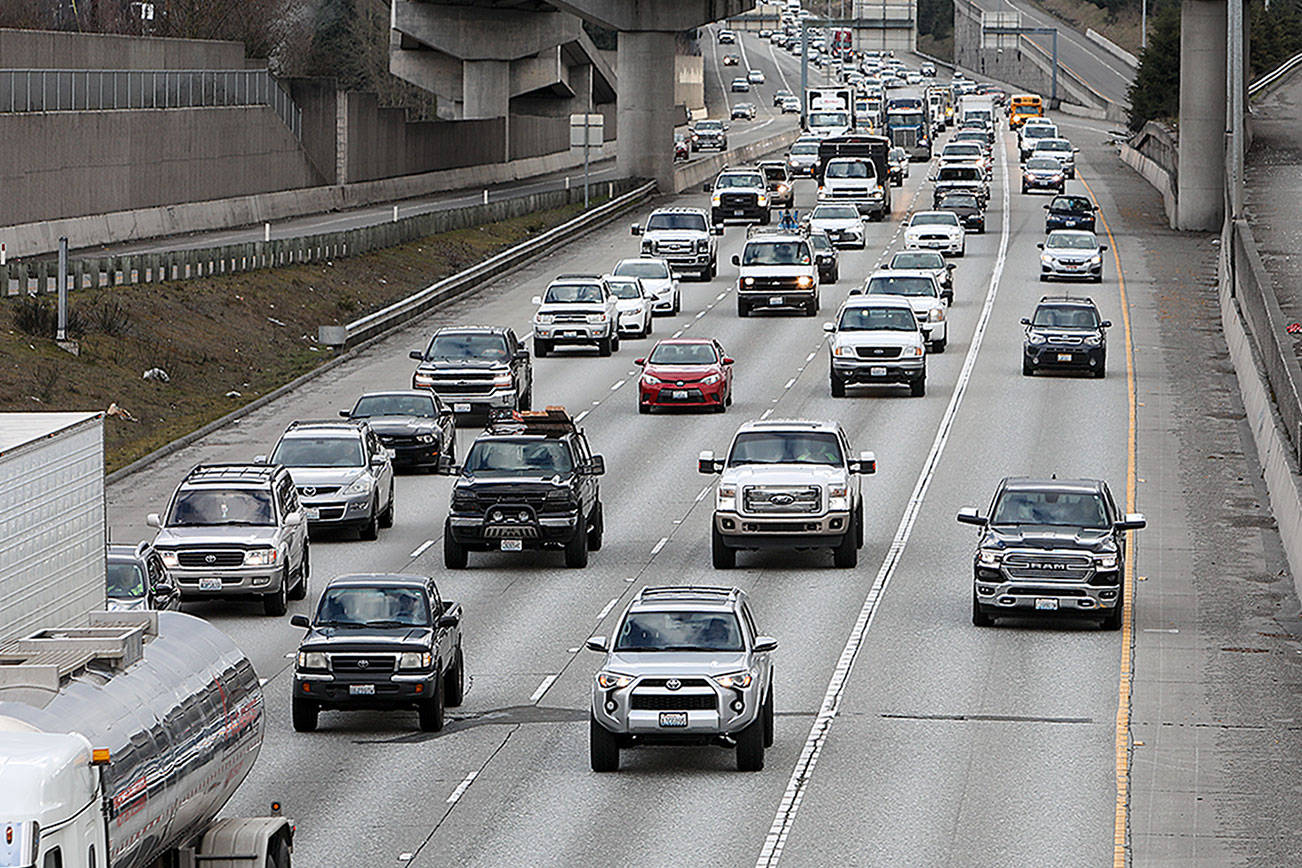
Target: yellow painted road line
[[1122, 816]]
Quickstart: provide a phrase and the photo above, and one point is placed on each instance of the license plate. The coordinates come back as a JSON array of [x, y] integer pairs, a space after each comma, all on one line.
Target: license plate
[[1064, 357], [512, 545], [1046, 604], [361, 690], [313, 513], [569, 334], [776, 300], [737, 212], [210, 584], [460, 408], [673, 718], [877, 371], [680, 396]]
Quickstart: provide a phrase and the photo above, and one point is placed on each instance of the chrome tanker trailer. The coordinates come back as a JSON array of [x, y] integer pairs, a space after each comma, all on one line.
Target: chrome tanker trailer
[[121, 742]]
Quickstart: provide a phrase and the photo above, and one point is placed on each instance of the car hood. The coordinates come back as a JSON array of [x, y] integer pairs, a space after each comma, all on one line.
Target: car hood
[[933, 227], [658, 285], [401, 425], [1044, 173], [444, 365], [1046, 537], [325, 475], [919, 303], [503, 486], [880, 338], [1071, 254], [777, 270], [686, 373], [628, 305], [836, 223], [382, 639], [218, 535], [675, 234], [784, 474], [661, 663], [584, 308]]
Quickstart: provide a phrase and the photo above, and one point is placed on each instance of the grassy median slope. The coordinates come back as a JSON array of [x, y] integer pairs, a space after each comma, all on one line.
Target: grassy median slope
[[222, 341]]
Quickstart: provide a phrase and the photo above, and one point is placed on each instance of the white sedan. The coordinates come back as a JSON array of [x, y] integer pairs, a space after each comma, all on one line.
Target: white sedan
[[755, 76], [657, 279], [842, 223], [935, 230], [633, 303]]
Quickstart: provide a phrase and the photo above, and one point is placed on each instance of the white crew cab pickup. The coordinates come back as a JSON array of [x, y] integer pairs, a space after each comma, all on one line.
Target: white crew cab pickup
[[788, 484]]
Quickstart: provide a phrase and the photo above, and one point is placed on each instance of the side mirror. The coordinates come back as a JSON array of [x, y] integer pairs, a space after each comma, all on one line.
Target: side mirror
[[727, 361], [449, 620], [537, 299], [969, 515], [639, 362], [417, 355], [716, 229], [1026, 320], [1107, 324], [829, 327], [153, 520], [1132, 521], [867, 463], [950, 266], [259, 459], [344, 414], [637, 229], [706, 463], [163, 592], [707, 187], [380, 457], [736, 260], [596, 643], [1046, 207], [597, 467], [765, 644], [947, 295], [300, 621], [1040, 245], [1102, 247]]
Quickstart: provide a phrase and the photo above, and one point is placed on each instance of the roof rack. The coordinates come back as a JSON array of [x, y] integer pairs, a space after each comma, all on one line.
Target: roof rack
[[716, 591], [231, 471], [577, 276], [332, 423], [551, 420], [801, 230]]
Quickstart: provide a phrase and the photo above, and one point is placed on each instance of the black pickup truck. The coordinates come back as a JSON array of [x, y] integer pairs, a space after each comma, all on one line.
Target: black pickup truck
[[379, 641], [528, 482]]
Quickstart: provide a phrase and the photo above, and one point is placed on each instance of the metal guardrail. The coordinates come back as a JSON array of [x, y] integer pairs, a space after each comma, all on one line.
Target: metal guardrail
[[51, 90], [382, 320], [1275, 75]]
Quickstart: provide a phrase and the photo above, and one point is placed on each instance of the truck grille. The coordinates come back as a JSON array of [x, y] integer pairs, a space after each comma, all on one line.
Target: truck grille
[[1039, 567], [878, 352], [316, 490], [770, 284], [362, 663], [571, 317], [904, 138], [682, 682], [211, 558], [673, 702], [737, 200], [672, 247], [781, 499]]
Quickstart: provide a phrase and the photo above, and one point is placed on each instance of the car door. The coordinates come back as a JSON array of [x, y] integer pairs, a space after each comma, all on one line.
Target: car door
[[588, 491], [295, 537], [521, 369], [727, 369], [383, 468], [442, 637], [447, 426]]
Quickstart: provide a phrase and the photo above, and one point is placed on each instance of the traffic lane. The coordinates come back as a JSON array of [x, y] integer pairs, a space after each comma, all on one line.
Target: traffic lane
[[1020, 715]]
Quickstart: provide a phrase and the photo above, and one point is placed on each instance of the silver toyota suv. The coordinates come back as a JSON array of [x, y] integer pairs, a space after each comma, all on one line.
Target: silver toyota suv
[[235, 530], [686, 665], [788, 484], [683, 237], [344, 476], [576, 309]]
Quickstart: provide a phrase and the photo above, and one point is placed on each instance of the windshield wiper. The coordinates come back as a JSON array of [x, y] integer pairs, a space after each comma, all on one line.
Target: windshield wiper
[[339, 624], [390, 622]]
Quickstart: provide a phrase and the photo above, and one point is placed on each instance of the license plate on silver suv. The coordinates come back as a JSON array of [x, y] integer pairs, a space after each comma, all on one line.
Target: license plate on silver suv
[[210, 584], [671, 719]]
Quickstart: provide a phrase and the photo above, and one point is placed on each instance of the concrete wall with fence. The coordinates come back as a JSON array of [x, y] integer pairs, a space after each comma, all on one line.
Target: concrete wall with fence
[[49, 49]]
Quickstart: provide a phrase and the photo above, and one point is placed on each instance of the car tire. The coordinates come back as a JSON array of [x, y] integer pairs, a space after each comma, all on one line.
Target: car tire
[[1044, 278], [371, 530], [1112, 620], [1100, 372], [299, 591], [836, 274], [766, 218], [430, 710], [1028, 368], [454, 681], [723, 558], [650, 325], [678, 304], [980, 618], [858, 527], [837, 386], [643, 408], [276, 603], [604, 347], [386, 517], [918, 387], [750, 747], [603, 747], [714, 268], [598, 528], [614, 342], [846, 554], [541, 348], [576, 550], [728, 401], [768, 717], [938, 346], [278, 853], [1023, 188], [742, 310], [455, 555], [305, 714]]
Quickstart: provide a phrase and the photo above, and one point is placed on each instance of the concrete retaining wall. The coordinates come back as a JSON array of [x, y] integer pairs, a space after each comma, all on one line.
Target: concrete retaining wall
[[1108, 45], [1155, 175], [49, 49], [67, 164]]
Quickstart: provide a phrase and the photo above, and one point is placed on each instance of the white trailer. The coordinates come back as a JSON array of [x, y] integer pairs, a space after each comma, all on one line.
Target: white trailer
[[52, 535]]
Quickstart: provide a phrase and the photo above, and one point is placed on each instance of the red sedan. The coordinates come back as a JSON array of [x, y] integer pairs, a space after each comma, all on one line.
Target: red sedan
[[687, 372]]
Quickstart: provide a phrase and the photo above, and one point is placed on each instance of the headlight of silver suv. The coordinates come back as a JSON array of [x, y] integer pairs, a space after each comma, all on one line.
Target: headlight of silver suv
[[609, 680], [360, 485], [415, 660], [736, 680], [312, 660], [261, 557]]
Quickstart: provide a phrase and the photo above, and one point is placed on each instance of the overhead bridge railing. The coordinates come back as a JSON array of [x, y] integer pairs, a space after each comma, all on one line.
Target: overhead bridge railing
[[64, 90], [1275, 75]]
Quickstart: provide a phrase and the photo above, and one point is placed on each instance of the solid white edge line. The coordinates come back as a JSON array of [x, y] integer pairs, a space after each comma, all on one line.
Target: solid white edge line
[[801, 775], [605, 610], [658, 546], [543, 688], [420, 549], [462, 787]]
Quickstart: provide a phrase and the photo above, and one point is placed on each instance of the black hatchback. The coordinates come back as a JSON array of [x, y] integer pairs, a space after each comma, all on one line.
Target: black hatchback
[[1069, 212], [1067, 333]]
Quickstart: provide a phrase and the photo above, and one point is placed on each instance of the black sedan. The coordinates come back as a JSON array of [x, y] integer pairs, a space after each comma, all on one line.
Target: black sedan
[[1069, 212], [968, 208], [826, 257], [415, 424]]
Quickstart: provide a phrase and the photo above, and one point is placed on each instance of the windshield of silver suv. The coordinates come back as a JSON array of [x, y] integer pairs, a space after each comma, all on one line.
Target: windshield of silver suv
[[694, 222], [209, 506], [318, 452], [568, 293], [776, 253], [785, 447], [680, 631], [862, 319], [466, 346], [512, 457], [653, 268], [372, 607], [901, 286], [1058, 509]]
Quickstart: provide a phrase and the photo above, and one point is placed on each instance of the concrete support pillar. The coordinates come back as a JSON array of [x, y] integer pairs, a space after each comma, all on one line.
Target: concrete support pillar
[[645, 118], [1200, 193], [485, 88]]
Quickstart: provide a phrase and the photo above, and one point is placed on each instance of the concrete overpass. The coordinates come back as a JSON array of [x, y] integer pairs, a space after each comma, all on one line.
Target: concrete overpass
[[480, 55]]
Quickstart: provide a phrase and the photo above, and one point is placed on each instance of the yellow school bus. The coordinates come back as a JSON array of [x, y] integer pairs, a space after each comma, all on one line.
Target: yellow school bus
[[1024, 106]]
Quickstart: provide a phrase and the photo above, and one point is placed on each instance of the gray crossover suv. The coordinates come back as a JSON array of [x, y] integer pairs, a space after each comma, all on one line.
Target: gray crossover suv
[[686, 665]]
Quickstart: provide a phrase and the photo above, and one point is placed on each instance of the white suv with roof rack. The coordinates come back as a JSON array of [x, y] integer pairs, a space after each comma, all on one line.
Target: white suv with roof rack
[[685, 666], [576, 309]]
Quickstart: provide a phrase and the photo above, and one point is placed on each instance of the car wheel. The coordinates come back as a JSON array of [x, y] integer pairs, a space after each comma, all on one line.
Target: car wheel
[[614, 342], [603, 747], [650, 324], [678, 303], [838, 386], [858, 527], [714, 268], [643, 408], [1101, 371], [371, 530], [836, 274], [728, 401], [1023, 188], [846, 553], [454, 681], [455, 555], [750, 747], [603, 347], [299, 591], [525, 401], [430, 709], [723, 557], [576, 550], [1028, 367], [277, 602], [598, 528], [305, 713], [768, 718], [765, 218], [742, 309], [979, 616], [938, 346], [1044, 278], [386, 517], [541, 348], [918, 388], [1112, 620]]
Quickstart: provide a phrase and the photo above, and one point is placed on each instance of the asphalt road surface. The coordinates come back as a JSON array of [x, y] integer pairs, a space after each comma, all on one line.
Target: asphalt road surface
[[905, 735]]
